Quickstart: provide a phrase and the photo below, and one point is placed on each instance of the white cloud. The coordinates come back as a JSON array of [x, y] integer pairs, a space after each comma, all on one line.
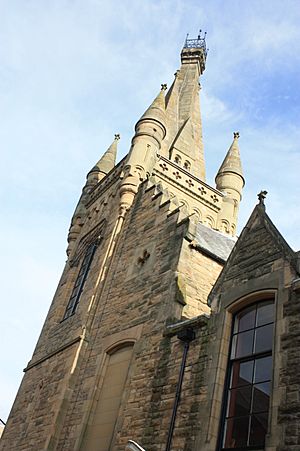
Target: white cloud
[[214, 109]]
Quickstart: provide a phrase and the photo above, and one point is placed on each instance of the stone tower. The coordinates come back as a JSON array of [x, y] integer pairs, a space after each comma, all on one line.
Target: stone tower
[[147, 242]]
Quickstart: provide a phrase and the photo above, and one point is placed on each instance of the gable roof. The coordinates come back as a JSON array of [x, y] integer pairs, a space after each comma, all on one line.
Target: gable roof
[[264, 243]]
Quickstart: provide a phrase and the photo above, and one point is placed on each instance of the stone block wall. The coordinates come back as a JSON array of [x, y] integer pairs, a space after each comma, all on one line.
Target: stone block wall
[[135, 301], [197, 273], [289, 377], [151, 286], [35, 411]]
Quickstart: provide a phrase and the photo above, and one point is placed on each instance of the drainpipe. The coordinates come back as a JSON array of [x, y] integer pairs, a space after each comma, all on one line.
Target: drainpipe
[[186, 336]]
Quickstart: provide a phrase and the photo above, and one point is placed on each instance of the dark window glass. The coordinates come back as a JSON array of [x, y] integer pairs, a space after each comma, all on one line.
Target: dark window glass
[[239, 402], [263, 369], [243, 344], [258, 429], [263, 338], [265, 314], [246, 319], [80, 280], [235, 435], [242, 373], [261, 397], [250, 368]]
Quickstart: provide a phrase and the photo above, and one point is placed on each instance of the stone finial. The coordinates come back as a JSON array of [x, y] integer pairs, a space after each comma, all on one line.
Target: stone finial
[[236, 135], [261, 197], [117, 136], [164, 86]]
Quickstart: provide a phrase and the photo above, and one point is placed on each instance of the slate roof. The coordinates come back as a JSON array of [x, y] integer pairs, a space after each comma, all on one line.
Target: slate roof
[[214, 243]]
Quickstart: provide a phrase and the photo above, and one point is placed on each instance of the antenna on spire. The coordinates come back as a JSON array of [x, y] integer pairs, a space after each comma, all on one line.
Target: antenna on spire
[[198, 43], [186, 39], [195, 48]]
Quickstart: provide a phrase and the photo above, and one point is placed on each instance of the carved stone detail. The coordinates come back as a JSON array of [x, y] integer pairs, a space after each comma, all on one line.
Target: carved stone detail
[[144, 258]]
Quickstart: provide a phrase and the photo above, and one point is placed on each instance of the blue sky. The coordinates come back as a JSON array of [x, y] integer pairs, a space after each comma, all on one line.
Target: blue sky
[[73, 73]]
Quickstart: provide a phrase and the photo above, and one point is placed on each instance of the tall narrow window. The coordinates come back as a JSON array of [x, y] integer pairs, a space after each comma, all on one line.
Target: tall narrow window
[[249, 382], [100, 429], [81, 278]]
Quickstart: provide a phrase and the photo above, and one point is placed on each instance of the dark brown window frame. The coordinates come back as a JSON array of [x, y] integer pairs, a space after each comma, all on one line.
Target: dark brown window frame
[[250, 357]]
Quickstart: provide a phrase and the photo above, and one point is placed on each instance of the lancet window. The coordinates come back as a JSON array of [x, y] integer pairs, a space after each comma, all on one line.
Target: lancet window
[[80, 280], [177, 159], [187, 165]]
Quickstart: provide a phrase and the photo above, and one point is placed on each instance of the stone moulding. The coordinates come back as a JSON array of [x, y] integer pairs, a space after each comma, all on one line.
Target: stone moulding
[[198, 321], [206, 192], [96, 233], [53, 353]]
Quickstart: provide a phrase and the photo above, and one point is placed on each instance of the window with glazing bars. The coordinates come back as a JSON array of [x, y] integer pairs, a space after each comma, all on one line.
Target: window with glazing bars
[[79, 283], [246, 407]]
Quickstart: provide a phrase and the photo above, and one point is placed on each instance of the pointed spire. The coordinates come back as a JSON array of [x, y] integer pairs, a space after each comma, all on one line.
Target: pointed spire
[[157, 109], [232, 161], [230, 181], [108, 160], [183, 104]]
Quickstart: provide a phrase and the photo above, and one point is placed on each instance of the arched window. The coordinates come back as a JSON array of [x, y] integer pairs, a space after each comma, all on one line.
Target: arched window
[[177, 159], [80, 280], [187, 165], [246, 407], [225, 226], [209, 222], [101, 426]]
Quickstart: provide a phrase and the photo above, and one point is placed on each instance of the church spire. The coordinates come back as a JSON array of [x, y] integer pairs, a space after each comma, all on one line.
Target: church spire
[[107, 162], [183, 108]]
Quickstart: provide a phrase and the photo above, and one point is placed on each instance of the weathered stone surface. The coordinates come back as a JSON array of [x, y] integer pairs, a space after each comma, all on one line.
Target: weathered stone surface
[[151, 277]]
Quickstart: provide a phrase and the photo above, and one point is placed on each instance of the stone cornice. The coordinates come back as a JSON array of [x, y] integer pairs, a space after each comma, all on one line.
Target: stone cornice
[[188, 183], [189, 174]]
